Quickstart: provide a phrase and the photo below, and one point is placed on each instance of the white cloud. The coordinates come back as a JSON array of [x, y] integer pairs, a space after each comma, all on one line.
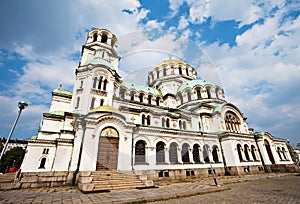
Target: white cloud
[[183, 23]]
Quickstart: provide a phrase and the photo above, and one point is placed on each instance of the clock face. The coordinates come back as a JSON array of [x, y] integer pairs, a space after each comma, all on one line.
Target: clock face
[[109, 132]]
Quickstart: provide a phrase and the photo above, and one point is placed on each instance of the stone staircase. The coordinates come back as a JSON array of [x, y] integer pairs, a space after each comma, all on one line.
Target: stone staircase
[[107, 180], [7, 181]]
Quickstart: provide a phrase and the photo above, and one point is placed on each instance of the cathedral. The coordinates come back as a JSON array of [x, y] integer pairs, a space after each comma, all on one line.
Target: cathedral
[[178, 126]]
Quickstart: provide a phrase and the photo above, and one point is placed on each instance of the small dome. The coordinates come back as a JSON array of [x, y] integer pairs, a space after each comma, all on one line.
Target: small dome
[[107, 108]]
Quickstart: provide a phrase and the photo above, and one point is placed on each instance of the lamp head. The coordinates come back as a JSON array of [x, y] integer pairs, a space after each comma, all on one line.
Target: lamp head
[[22, 105]]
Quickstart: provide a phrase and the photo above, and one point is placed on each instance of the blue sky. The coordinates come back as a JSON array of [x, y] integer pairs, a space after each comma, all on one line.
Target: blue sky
[[250, 47]]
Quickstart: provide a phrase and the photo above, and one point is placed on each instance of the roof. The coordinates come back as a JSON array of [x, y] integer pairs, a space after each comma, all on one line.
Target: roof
[[60, 91], [191, 84], [140, 88], [106, 108], [96, 61]]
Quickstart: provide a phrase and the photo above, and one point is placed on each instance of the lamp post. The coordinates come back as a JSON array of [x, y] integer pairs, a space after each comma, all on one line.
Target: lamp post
[[22, 105]]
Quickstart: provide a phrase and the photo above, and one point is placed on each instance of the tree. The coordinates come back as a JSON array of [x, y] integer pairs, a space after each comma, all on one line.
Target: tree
[[12, 158], [292, 152]]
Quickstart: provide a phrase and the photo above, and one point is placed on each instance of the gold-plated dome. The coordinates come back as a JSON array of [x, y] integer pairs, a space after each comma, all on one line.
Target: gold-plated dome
[[171, 61], [106, 108]]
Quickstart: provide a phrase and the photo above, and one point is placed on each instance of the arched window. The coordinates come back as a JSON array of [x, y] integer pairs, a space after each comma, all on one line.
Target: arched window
[[149, 99], [104, 38], [104, 84], [253, 153], [143, 119], [215, 154], [181, 99], [279, 153], [239, 150], [164, 71], [100, 82], [42, 163], [122, 93], [167, 122], [148, 120], [232, 122], [160, 152], [185, 153], [77, 102], [269, 151], [205, 153], [187, 71], [93, 103], [141, 97], [173, 157], [132, 93], [198, 91], [180, 124], [163, 122], [189, 96], [246, 152], [180, 70], [95, 82], [157, 74], [217, 92], [196, 156], [283, 153], [208, 92], [101, 102], [95, 36], [140, 151], [157, 101], [184, 125]]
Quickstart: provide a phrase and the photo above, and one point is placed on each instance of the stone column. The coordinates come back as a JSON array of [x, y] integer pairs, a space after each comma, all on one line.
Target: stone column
[[167, 156], [191, 155]]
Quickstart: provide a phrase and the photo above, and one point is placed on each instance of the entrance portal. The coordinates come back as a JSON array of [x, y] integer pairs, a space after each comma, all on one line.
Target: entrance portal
[[108, 149]]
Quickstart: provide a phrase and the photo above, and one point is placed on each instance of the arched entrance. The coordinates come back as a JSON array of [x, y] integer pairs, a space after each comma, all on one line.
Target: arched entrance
[[108, 149], [268, 148]]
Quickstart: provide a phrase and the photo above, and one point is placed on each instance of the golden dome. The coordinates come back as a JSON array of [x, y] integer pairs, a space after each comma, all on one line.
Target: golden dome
[[106, 108], [171, 61]]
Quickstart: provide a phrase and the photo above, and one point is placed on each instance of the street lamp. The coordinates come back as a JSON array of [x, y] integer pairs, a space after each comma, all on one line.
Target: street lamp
[[22, 105]]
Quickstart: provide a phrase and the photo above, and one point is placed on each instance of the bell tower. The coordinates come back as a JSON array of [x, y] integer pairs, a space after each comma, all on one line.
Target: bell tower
[[97, 74]]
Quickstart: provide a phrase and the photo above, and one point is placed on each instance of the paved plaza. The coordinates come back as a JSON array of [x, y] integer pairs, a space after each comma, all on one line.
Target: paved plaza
[[266, 188]]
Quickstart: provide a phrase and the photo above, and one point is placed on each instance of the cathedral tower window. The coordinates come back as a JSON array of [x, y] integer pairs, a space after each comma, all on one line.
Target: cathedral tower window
[[104, 84], [77, 102], [95, 82], [189, 96], [196, 156], [208, 92], [46, 151], [42, 163], [157, 101], [160, 152], [148, 120], [215, 153], [173, 157], [157, 74], [140, 152], [180, 70], [187, 71], [180, 124], [184, 125], [81, 84], [163, 122], [95, 36], [143, 119], [132, 93], [198, 91], [104, 38], [101, 102], [164, 71], [100, 82], [141, 97], [185, 153], [122, 93], [149, 99], [167, 122], [93, 103]]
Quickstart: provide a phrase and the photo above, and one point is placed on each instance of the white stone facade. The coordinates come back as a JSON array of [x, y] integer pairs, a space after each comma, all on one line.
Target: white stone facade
[[176, 122]]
